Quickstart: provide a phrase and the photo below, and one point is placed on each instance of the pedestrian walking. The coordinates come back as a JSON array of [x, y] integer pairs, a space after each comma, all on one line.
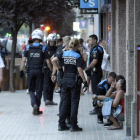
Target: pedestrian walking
[[35, 54]]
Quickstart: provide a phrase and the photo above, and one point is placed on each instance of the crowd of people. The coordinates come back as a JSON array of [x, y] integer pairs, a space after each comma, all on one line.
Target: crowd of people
[[72, 66]]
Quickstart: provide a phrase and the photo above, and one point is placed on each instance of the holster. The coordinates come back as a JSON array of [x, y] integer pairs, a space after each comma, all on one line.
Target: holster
[[59, 80]]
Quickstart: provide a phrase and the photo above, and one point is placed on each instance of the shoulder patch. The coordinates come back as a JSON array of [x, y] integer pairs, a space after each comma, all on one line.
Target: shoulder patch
[[71, 54], [27, 47], [93, 50], [43, 48], [100, 49]]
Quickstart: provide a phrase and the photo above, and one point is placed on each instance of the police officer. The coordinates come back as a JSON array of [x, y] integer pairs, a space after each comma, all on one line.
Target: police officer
[[59, 42], [59, 51], [96, 57], [102, 89], [35, 54], [70, 87], [48, 85]]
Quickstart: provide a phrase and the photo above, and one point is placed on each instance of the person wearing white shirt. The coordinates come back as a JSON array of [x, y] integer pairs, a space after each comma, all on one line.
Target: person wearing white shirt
[[1, 71], [106, 57]]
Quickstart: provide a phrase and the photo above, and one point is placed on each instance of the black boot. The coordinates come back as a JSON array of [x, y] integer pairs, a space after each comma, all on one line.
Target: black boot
[[63, 128], [35, 109], [53, 103], [40, 112], [47, 102], [76, 128]]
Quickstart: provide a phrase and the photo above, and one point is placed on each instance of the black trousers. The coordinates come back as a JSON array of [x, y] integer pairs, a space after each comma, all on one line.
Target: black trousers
[[48, 87], [95, 80], [100, 91], [70, 101], [35, 78]]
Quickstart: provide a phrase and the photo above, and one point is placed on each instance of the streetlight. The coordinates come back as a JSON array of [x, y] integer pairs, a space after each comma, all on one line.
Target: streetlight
[[47, 28]]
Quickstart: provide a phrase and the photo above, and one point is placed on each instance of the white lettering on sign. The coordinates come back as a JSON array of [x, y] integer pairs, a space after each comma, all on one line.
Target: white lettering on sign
[[88, 11], [34, 54], [70, 60], [91, 3]]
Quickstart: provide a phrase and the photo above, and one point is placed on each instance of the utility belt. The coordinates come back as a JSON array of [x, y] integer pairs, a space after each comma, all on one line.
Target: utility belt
[[69, 76], [74, 76], [94, 69], [32, 68]]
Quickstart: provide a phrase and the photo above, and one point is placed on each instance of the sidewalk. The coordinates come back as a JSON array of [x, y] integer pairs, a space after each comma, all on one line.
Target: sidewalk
[[18, 123]]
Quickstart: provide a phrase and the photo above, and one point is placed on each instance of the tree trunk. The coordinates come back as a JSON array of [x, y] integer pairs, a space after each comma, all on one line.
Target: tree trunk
[[12, 62], [30, 28]]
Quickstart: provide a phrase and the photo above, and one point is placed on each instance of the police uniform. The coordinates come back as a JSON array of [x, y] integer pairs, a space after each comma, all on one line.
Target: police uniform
[[48, 85], [96, 72], [35, 54], [3, 52], [102, 89], [59, 52], [70, 87]]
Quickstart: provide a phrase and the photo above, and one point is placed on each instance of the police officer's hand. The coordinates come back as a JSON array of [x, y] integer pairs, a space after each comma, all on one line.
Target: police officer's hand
[[88, 71], [21, 73], [85, 86], [53, 78], [61, 73]]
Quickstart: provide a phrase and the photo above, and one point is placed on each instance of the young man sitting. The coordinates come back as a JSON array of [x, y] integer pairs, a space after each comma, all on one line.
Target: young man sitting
[[102, 89]]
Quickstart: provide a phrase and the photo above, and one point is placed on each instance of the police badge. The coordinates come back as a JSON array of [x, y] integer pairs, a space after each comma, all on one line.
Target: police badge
[[49, 53]]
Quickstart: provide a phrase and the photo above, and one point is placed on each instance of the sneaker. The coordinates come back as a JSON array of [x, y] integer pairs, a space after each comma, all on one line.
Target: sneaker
[[108, 124], [100, 120], [74, 129], [94, 111]]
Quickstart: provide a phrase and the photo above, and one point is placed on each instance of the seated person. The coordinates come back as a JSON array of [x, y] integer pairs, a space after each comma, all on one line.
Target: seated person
[[118, 96], [102, 89]]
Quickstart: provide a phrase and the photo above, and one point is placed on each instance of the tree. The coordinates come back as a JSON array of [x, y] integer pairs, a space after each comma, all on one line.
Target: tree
[[66, 27], [17, 12]]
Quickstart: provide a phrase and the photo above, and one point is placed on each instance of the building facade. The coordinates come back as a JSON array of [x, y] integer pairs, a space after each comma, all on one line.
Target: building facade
[[120, 27]]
